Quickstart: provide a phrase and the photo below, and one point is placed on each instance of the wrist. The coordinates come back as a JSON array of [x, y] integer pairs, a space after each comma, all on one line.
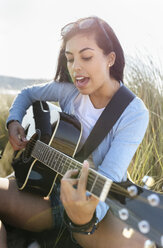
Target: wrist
[[11, 121], [88, 228]]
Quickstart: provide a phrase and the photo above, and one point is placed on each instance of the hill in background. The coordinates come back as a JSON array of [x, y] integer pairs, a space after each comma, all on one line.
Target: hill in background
[[16, 84]]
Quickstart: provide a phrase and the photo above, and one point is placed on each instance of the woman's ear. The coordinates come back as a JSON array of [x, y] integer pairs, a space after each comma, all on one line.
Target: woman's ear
[[111, 59]]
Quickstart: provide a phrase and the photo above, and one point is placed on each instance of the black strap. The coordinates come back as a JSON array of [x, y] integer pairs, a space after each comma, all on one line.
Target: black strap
[[107, 119]]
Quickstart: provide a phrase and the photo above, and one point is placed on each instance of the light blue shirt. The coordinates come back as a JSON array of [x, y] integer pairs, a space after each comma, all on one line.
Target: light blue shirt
[[113, 156]]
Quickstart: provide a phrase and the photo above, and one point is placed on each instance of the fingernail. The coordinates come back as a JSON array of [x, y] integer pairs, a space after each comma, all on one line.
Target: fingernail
[[85, 163]]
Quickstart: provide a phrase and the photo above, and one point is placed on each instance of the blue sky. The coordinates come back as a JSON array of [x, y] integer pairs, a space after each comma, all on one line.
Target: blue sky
[[30, 31]]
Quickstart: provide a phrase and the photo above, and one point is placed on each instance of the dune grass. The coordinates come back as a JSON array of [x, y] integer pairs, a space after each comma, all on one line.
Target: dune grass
[[6, 100], [147, 82]]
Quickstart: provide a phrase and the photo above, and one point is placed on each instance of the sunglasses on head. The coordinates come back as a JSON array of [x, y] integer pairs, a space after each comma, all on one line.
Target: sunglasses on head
[[84, 24]]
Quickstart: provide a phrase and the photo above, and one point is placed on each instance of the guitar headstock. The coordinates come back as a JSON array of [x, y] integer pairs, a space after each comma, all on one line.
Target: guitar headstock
[[139, 208]]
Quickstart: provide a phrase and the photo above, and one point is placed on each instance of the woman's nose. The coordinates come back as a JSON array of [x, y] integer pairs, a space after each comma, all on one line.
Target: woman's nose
[[76, 65]]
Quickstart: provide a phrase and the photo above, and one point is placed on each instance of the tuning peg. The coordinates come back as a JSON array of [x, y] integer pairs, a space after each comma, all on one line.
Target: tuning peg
[[154, 200], [132, 190], [148, 181], [127, 232], [123, 214], [144, 226], [149, 244]]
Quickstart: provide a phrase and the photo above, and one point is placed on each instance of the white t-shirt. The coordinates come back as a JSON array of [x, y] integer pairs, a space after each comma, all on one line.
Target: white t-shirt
[[87, 114]]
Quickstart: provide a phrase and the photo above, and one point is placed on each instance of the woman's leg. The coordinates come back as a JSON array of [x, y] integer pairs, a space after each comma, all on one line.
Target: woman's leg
[[3, 236], [22, 209], [109, 235]]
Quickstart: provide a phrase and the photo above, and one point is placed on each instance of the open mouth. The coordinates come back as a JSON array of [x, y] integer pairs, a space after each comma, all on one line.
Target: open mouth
[[81, 81]]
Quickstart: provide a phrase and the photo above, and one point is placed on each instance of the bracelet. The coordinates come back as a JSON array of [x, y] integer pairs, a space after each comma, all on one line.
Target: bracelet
[[81, 228]]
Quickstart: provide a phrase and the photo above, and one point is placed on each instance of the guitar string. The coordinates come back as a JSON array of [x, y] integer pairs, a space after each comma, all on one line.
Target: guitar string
[[91, 177], [114, 188], [70, 165]]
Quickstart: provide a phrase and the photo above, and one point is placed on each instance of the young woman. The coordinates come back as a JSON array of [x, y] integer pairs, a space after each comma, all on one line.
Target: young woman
[[89, 73]]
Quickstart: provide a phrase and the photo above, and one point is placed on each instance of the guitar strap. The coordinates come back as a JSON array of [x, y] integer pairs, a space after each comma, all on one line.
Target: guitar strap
[[107, 119]]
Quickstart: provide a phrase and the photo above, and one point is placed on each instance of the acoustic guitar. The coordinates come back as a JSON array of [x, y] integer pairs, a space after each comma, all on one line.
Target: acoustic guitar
[[49, 154]]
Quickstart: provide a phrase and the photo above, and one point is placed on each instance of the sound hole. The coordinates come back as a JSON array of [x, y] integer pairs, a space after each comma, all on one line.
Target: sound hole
[[29, 147]]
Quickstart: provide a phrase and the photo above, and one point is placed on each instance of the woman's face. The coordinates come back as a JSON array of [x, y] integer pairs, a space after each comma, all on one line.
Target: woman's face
[[87, 64]]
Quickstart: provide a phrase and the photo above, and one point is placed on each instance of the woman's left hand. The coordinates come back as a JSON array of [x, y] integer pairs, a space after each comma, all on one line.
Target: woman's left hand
[[79, 207]]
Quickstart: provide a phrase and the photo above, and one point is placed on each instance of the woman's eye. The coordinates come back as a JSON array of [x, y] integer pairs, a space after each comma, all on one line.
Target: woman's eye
[[84, 58], [87, 58], [70, 60]]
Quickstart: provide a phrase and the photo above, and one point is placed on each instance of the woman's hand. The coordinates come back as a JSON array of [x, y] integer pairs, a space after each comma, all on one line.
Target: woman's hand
[[16, 135], [79, 207]]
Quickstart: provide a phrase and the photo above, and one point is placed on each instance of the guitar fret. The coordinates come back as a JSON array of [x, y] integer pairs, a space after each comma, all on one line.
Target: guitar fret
[[64, 170], [50, 161], [75, 165], [57, 162], [98, 187], [42, 152], [46, 156], [69, 164], [91, 190], [37, 151], [63, 166], [91, 176], [100, 181], [61, 163]]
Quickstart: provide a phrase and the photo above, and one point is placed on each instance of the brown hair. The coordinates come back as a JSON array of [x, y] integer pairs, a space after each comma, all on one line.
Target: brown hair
[[105, 39]]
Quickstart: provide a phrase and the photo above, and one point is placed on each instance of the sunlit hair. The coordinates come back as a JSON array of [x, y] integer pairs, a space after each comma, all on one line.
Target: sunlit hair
[[105, 39]]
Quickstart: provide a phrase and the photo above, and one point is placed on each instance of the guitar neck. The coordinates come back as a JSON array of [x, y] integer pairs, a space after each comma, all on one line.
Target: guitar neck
[[97, 184]]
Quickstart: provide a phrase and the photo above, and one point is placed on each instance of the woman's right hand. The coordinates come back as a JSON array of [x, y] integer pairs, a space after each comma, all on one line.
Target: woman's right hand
[[79, 206], [17, 135]]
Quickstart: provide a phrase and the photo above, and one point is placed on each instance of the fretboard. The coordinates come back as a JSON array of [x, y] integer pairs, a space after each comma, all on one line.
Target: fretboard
[[97, 184]]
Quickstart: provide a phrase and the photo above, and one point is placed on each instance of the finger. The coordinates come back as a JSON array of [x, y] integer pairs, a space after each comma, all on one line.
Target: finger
[[17, 147], [84, 177], [93, 199], [67, 189], [16, 143], [70, 173], [69, 181], [21, 134], [17, 140]]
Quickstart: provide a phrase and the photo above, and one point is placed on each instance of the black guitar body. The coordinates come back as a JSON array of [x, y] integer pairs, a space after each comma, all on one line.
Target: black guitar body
[[63, 135]]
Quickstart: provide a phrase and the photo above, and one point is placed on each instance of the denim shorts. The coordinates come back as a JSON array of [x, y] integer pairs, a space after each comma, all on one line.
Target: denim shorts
[[57, 207], [58, 223]]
